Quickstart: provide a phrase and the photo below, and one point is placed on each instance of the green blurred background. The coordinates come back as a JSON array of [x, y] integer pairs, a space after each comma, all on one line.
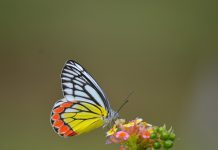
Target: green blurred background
[[166, 51]]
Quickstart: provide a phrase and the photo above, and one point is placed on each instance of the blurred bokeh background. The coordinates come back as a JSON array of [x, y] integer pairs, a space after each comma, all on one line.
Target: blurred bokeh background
[[165, 51]]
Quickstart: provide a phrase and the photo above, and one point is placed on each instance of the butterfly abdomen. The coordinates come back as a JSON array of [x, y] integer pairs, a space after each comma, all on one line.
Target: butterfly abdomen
[[58, 124]]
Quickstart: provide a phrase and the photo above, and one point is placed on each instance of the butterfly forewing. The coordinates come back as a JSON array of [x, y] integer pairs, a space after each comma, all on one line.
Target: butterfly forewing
[[78, 84]]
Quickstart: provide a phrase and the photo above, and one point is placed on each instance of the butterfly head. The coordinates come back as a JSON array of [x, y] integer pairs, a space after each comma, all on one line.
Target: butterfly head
[[112, 116]]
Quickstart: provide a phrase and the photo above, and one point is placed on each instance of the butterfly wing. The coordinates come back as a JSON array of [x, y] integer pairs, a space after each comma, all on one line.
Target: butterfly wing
[[70, 118], [78, 84], [84, 107]]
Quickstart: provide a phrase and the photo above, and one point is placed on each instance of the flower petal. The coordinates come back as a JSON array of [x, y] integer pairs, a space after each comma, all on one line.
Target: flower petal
[[122, 135], [112, 131]]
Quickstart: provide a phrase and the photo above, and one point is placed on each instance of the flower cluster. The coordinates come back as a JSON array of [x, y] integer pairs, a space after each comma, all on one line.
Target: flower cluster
[[139, 135]]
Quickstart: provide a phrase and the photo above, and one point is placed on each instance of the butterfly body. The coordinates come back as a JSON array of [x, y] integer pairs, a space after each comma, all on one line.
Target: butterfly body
[[84, 106]]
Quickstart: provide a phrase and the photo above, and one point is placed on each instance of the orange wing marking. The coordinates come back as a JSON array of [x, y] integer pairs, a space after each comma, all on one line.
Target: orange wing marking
[[59, 126]]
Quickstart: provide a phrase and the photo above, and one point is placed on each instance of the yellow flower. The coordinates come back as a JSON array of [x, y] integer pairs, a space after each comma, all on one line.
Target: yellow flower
[[145, 124], [112, 131], [138, 120], [150, 129], [132, 123], [120, 122]]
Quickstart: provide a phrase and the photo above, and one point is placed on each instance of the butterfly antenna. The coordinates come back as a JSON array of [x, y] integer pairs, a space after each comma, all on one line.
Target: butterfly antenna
[[125, 101]]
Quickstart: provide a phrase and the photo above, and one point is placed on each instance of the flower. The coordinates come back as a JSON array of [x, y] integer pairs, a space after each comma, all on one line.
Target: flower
[[122, 135], [132, 123], [151, 130], [145, 124], [138, 120], [146, 134], [119, 122], [138, 134], [112, 131]]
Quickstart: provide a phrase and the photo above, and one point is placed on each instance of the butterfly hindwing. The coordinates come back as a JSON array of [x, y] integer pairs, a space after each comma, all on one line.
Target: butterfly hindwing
[[57, 122], [74, 118]]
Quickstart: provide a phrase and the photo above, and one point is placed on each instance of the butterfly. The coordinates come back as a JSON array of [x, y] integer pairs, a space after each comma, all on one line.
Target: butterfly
[[84, 106]]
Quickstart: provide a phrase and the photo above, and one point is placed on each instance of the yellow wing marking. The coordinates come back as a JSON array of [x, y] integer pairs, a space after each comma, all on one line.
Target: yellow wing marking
[[74, 123], [67, 120], [96, 109], [80, 107], [88, 125], [86, 115], [68, 115], [87, 118]]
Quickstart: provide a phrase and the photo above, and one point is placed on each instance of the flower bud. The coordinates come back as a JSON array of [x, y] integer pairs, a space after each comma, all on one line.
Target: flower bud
[[168, 144], [155, 128], [164, 135], [161, 129], [172, 136], [153, 136], [157, 145]]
